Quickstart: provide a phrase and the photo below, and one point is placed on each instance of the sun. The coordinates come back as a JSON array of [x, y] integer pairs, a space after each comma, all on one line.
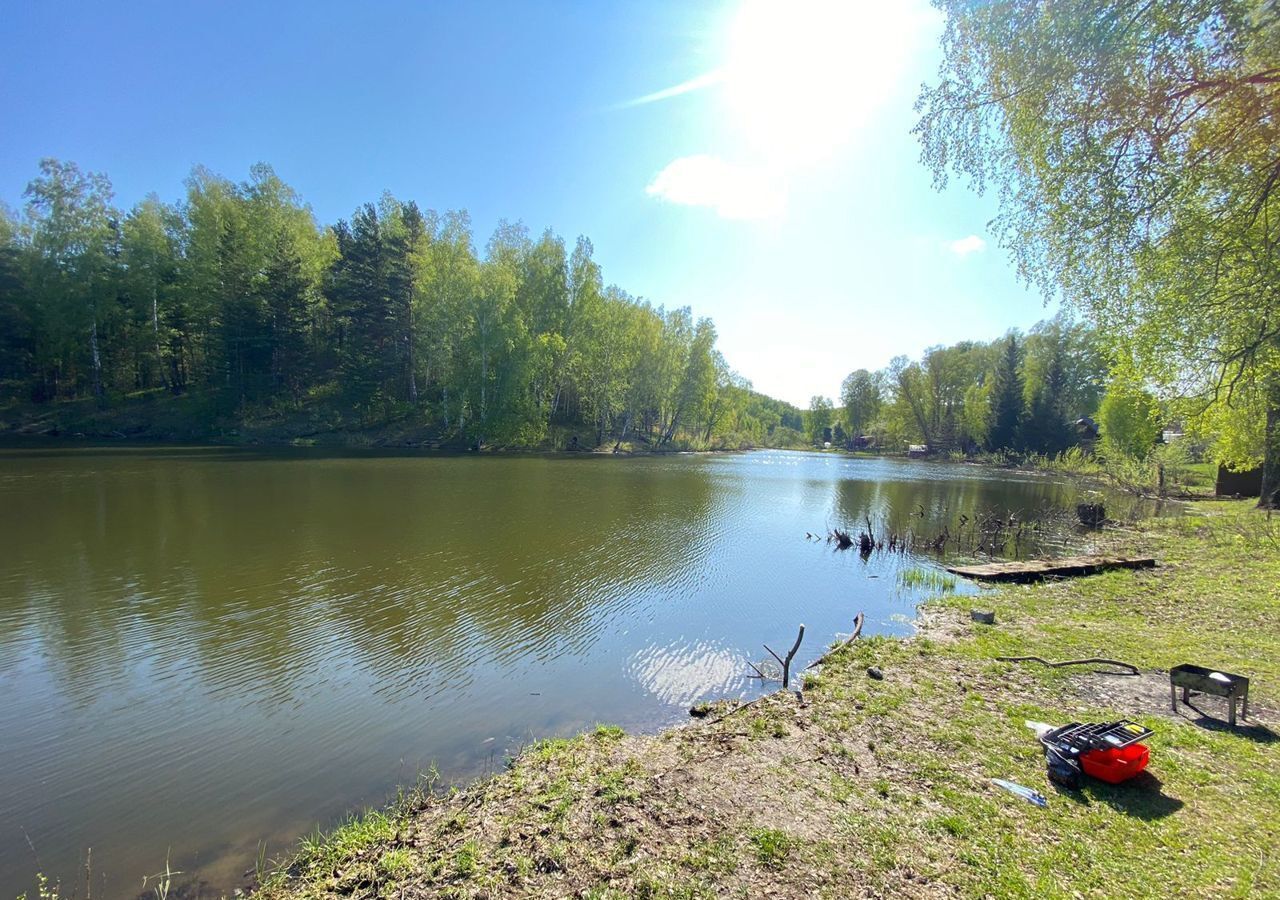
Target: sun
[[800, 77], [797, 82]]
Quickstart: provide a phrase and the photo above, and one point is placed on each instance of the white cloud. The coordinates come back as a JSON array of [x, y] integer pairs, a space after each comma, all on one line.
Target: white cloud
[[967, 245], [697, 83], [733, 190]]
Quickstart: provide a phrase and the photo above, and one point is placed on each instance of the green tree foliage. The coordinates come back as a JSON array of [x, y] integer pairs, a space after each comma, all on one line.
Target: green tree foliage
[[1014, 394], [908, 385], [773, 423], [1004, 418], [820, 418], [929, 399], [17, 327], [1045, 428], [1133, 148], [1072, 356], [1128, 419], [72, 243], [861, 395], [237, 294]]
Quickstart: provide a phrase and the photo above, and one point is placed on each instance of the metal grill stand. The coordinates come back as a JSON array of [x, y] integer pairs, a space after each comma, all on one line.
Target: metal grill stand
[[1209, 681]]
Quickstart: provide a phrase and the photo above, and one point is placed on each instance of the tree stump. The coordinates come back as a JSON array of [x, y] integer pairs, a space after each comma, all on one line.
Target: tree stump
[[1092, 515]]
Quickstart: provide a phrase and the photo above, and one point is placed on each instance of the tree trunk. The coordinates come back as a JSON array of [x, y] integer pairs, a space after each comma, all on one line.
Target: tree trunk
[[626, 423], [155, 328], [669, 434], [97, 359], [555, 403], [409, 365], [1270, 498], [484, 381]]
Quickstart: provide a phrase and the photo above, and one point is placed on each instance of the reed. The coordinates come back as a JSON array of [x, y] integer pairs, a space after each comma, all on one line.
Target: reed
[[921, 578]]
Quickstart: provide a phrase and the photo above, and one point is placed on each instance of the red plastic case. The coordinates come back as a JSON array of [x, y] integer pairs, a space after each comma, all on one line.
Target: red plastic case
[[1115, 765]]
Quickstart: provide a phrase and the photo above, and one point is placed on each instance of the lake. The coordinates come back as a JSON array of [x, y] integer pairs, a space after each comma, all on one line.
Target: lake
[[205, 648]]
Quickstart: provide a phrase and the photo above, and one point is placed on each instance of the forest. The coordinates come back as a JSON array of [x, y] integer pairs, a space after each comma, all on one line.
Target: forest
[[237, 301], [1038, 393], [1053, 398]]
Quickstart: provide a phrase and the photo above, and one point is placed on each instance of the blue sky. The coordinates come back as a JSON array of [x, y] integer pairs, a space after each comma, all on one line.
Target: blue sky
[[752, 160]]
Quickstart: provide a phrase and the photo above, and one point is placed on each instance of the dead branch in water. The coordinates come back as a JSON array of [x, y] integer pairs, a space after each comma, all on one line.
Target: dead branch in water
[[1091, 661], [857, 630], [786, 663]]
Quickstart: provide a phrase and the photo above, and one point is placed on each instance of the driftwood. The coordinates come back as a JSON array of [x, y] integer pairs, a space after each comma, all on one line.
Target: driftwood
[[857, 630], [737, 709], [741, 706], [1091, 661], [786, 663]]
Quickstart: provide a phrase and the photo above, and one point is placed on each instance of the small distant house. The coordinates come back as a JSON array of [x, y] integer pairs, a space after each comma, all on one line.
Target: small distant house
[[1086, 428]]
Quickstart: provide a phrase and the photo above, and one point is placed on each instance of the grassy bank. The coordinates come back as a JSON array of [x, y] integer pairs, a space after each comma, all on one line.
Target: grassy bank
[[1167, 472], [882, 787]]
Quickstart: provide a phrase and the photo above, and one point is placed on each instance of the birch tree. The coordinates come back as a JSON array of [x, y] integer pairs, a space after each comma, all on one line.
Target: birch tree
[[1135, 151]]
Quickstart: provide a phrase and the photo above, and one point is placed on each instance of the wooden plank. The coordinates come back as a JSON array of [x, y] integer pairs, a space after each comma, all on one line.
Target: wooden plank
[[1034, 570]]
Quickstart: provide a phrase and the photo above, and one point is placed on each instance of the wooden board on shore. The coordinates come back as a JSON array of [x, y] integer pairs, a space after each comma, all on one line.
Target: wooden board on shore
[[1066, 567]]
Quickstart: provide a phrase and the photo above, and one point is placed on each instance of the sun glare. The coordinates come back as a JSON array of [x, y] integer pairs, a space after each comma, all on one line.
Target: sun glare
[[796, 83], [800, 77]]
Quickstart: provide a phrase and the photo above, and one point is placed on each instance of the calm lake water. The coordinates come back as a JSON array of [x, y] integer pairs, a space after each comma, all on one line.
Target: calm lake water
[[201, 649]]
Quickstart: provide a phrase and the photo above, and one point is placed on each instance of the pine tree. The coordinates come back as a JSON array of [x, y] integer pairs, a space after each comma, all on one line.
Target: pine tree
[[285, 290], [359, 292], [1006, 398], [1045, 429]]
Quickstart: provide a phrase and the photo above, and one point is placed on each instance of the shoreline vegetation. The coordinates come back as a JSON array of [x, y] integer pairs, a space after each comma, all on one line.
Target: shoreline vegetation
[[882, 786], [162, 420], [1173, 478]]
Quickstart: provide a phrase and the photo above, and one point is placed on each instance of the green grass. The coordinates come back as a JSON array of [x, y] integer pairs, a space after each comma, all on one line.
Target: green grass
[[772, 846], [1215, 598], [921, 578], [352, 838], [1201, 475], [619, 785], [397, 863], [1207, 825], [465, 860], [715, 857]]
